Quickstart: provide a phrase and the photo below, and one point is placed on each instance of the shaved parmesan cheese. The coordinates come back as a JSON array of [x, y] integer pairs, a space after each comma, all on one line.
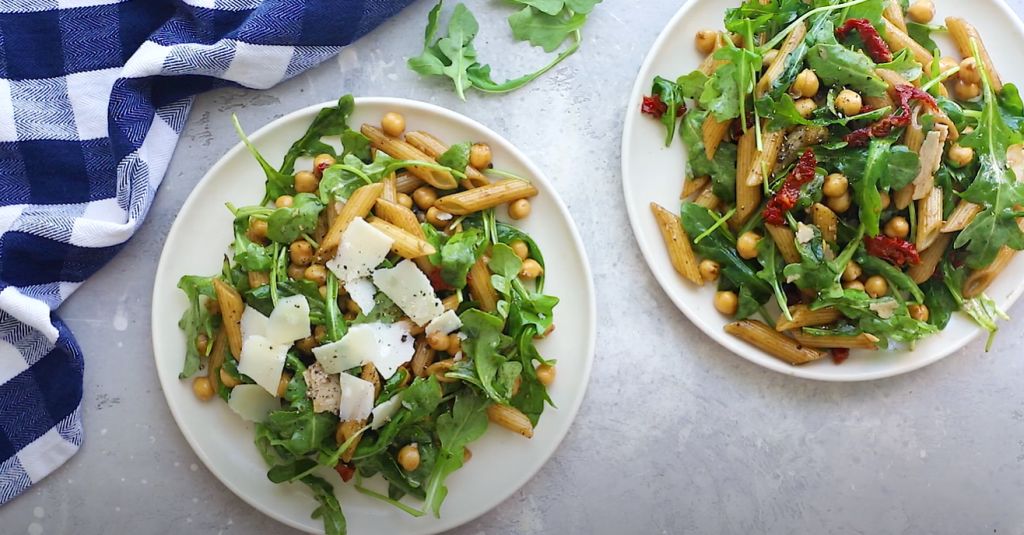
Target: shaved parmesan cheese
[[395, 346], [804, 233], [884, 309], [356, 348], [263, 362], [289, 321], [446, 323], [362, 291], [356, 398], [385, 411], [931, 159], [253, 323], [1015, 159], [252, 402], [411, 290], [362, 249], [323, 388]]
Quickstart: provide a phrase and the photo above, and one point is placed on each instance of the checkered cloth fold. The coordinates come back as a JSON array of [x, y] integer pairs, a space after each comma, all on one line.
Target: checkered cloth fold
[[93, 97]]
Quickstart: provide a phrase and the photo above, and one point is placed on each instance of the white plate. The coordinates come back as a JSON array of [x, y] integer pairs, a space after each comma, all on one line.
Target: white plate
[[502, 461], [653, 173]]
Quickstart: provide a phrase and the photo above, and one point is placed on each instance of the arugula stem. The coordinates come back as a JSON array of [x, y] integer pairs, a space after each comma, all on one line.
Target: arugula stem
[[512, 85], [356, 172], [273, 274], [768, 318], [913, 223], [414, 512], [718, 223], [942, 77], [789, 29], [505, 174], [334, 458], [309, 239]]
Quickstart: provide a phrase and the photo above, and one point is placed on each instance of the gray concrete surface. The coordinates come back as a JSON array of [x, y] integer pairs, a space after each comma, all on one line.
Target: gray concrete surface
[[676, 435]]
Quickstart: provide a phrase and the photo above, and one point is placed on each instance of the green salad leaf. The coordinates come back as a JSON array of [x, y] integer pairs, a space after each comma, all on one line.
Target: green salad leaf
[[193, 320], [466, 423], [286, 224], [721, 169], [331, 121]]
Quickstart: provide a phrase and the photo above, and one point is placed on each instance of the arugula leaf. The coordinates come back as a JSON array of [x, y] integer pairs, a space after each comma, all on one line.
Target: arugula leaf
[[725, 93], [435, 238], [483, 344], [922, 33], [330, 121], [192, 320], [466, 423], [544, 30], [865, 185], [722, 169], [876, 266], [1011, 107], [697, 221], [857, 305], [940, 302], [278, 183], [456, 157], [459, 254], [783, 114], [814, 272], [250, 256], [286, 224], [582, 6], [837, 65], [768, 256], [384, 311], [451, 55], [551, 7], [506, 266], [301, 432], [356, 144], [672, 96], [904, 64], [532, 395], [871, 10], [342, 179], [330, 509], [430, 62], [334, 321], [982, 309]]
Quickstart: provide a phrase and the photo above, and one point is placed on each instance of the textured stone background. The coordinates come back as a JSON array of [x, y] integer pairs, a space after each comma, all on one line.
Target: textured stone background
[[676, 434]]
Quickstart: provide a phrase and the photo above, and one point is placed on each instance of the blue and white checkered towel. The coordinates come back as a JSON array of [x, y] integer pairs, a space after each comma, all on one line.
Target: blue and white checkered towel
[[93, 97]]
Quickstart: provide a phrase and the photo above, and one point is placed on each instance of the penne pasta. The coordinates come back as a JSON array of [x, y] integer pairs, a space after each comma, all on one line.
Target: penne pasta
[[217, 352], [894, 14], [396, 148], [713, 132], [980, 280], [785, 240], [826, 220], [451, 302], [929, 219], [903, 197], [399, 216], [406, 244], [861, 341], [776, 68], [258, 278], [748, 198], [369, 374], [962, 33], [879, 102], [930, 259], [407, 183], [510, 418], [892, 78], [231, 308], [434, 148], [962, 216], [899, 40], [422, 358], [774, 343], [390, 189], [764, 161], [680, 251], [358, 205], [439, 370], [803, 316], [345, 431], [693, 185], [489, 196], [709, 65], [707, 198], [480, 286]]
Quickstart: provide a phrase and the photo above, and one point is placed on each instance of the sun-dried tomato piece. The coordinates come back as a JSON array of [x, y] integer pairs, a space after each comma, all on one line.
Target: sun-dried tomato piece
[[896, 250], [789, 194], [653, 106], [840, 354], [898, 119], [438, 282], [876, 46], [345, 471]]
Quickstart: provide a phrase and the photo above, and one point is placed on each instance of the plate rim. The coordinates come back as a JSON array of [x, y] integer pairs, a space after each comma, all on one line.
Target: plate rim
[[572, 410], [663, 277]]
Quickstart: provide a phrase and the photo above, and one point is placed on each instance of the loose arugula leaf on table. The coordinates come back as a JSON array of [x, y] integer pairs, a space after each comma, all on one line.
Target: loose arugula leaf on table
[[544, 30], [278, 183], [286, 224], [466, 423], [192, 320], [721, 169], [459, 254], [330, 121], [452, 55], [484, 343]]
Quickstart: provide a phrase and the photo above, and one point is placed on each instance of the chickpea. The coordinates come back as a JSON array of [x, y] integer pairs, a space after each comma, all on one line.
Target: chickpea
[[922, 11], [203, 388], [918, 312], [424, 197], [839, 204], [202, 343], [480, 155], [405, 200], [546, 374], [393, 124], [849, 102], [466, 455], [409, 457], [284, 201], [835, 185], [886, 199], [805, 85], [439, 218], [350, 316], [897, 227], [960, 155], [520, 248], [727, 303], [737, 40], [454, 343], [805, 107], [706, 40], [531, 269], [516, 384], [296, 272], [301, 253], [227, 380], [282, 385], [352, 306], [746, 245], [323, 292], [438, 341], [307, 344], [969, 73], [257, 231], [769, 58], [945, 63], [964, 91], [853, 285], [322, 162], [852, 272], [316, 273], [213, 307], [709, 270], [306, 182], [519, 209], [547, 332], [876, 286]]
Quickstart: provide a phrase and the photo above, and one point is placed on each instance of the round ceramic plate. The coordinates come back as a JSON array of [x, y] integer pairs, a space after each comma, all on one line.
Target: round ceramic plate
[[502, 461], [652, 172]]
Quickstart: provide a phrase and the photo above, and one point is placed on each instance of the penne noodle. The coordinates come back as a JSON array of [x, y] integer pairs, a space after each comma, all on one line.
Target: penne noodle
[[451, 302], [510, 418], [930, 259], [407, 183], [399, 216], [439, 370], [220, 347], [396, 148], [892, 78], [764, 161], [776, 68], [962, 215], [345, 431], [370, 375], [774, 343], [489, 196], [693, 185], [962, 33], [680, 252], [358, 205], [748, 198], [480, 287], [899, 40], [714, 132], [862, 341], [411, 326], [826, 220], [929, 219], [231, 308], [390, 189], [879, 102], [980, 280], [803, 316], [894, 14], [904, 197], [406, 244], [709, 64], [707, 198], [433, 147], [422, 358], [785, 240], [258, 278]]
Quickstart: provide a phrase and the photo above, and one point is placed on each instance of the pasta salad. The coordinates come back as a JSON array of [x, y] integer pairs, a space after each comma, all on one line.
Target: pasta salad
[[841, 167], [373, 316]]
